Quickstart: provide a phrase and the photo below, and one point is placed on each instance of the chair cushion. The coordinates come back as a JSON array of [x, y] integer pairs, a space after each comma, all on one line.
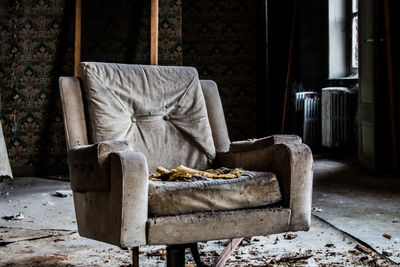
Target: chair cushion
[[251, 189], [160, 110]]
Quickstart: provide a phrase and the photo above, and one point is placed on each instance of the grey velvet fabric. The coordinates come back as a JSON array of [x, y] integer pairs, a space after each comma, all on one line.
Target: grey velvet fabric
[[204, 226], [160, 110], [216, 115], [91, 164], [74, 113], [117, 216], [248, 145], [251, 189], [292, 164]]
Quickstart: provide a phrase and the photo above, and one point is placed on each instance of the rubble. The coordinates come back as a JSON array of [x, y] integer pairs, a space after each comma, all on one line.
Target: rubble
[[288, 236], [387, 236], [62, 193], [16, 217], [387, 253], [293, 257], [363, 248], [316, 209]]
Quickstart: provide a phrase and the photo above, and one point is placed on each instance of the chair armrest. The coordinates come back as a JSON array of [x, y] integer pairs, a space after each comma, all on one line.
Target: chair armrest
[[292, 164], [246, 145], [117, 216], [89, 165], [251, 154], [129, 185]]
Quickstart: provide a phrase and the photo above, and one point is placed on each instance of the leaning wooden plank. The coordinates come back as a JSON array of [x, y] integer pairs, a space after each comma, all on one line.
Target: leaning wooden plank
[[227, 252], [78, 35], [154, 33], [5, 169]]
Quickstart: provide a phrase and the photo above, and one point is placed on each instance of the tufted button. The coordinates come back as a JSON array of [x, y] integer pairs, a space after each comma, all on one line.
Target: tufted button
[[166, 117], [133, 119]]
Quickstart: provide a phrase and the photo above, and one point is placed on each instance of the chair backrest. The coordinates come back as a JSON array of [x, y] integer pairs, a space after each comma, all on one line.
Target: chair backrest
[[160, 110]]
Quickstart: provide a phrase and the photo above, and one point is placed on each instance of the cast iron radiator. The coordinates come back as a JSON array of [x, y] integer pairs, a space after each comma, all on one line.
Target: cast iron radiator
[[308, 117], [337, 115]]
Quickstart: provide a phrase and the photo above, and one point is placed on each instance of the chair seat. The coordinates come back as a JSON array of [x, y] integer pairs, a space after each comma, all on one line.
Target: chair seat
[[251, 189]]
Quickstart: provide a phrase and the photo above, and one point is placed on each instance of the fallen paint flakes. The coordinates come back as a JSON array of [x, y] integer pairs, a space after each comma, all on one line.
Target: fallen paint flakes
[[16, 217], [62, 193], [387, 253], [387, 236], [363, 248], [157, 253], [292, 257], [288, 236]]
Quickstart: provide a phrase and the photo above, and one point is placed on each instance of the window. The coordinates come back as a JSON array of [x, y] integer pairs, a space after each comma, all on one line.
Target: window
[[354, 37], [343, 38]]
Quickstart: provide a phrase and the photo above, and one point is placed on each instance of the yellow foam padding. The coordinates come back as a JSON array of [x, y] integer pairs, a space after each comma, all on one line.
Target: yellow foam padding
[[182, 172]]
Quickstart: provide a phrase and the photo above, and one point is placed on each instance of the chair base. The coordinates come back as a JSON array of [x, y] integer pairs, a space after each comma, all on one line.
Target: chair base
[[176, 254]]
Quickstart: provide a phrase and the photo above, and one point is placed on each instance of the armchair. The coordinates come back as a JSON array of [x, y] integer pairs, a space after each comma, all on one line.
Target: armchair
[[129, 119]]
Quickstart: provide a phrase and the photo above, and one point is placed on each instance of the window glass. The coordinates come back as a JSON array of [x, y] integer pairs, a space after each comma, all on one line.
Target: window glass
[[354, 45]]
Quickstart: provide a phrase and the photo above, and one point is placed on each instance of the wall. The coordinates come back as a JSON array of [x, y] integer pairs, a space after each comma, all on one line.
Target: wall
[[310, 55], [224, 39], [219, 39], [37, 47]]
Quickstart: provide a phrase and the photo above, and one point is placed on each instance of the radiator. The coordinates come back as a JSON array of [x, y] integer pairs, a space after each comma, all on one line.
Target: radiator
[[308, 117], [336, 117]]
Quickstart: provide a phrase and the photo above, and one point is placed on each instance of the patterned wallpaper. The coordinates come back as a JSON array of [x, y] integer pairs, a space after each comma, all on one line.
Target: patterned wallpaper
[[108, 35], [29, 110], [37, 47], [219, 39]]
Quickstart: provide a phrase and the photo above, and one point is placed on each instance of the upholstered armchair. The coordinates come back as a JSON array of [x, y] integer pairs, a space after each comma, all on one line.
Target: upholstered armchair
[[123, 121]]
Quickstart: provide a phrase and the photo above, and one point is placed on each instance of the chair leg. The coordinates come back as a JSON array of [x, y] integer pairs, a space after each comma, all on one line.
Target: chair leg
[[196, 255], [176, 255], [135, 257]]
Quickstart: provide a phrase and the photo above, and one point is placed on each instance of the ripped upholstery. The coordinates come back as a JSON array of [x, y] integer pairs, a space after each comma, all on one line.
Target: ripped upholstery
[[160, 110], [183, 173]]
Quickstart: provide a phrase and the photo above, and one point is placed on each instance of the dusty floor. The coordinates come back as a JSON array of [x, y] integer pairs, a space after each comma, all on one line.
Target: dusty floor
[[350, 208]]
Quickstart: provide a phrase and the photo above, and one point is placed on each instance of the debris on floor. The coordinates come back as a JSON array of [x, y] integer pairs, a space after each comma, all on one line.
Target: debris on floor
[[387, 236], [16, 217], [291, 258], [363, 248], [288, 236], [62, 193], [316, 209]]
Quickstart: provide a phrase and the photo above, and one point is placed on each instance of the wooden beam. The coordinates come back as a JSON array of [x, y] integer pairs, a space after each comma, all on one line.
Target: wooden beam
[[154, 33], [227, 252], [78, 35]]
